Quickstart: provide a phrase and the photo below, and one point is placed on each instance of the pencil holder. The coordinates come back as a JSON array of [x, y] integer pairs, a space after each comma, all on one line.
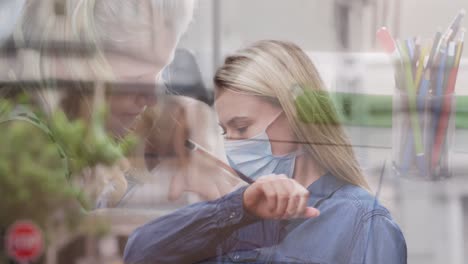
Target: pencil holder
[[423, 128]]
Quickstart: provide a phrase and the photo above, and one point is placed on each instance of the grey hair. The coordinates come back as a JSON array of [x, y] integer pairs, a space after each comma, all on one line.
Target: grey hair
[[127, 26]]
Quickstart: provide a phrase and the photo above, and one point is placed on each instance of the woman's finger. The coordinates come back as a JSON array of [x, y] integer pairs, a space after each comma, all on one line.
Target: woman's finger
[[302, 205], [311, 212], [270, 196], [282, 197], [293, 205], [298, 200], [290, 190]]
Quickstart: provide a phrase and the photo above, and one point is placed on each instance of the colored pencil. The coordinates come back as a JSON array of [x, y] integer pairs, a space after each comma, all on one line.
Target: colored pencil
[[452, 30], [426, 78], [409, 154], [447, 105], [414, 119]]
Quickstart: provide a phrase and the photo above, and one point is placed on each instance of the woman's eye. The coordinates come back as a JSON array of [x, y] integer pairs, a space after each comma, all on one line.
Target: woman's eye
[[242, 130]]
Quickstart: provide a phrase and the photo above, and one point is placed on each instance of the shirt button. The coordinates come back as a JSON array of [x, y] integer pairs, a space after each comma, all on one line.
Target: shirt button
[[232, 215]]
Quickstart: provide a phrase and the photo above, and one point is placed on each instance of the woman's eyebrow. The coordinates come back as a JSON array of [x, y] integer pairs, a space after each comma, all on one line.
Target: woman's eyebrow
[[237, 119]]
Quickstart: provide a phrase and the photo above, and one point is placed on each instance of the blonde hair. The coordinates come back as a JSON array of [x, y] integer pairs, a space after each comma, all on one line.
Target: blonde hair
[[86, 30], [73, 42], [283, 74]]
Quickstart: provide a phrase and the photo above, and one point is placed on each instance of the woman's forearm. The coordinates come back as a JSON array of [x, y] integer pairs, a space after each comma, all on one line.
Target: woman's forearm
[[190, 234]]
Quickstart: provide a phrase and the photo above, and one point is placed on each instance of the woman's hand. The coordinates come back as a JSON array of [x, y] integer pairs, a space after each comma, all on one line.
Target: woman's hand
[[166, 127], [278, 197], [102, 185]]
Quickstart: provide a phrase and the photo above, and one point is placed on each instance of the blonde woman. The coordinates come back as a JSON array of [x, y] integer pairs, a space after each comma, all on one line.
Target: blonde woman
[[282, 130], [119, 47], [122, 43]]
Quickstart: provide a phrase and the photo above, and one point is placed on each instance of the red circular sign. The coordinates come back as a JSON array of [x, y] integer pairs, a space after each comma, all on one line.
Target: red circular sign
[[24, 241]]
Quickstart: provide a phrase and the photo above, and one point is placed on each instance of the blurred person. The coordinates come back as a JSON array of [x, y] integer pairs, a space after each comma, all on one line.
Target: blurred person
[[97, 47], [281, 129], [174, 169], [123, 43], [121, 47], [73, 48]]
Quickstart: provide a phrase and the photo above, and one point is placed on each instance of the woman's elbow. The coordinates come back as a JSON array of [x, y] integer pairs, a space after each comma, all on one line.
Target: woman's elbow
[[132, 254], [143, 248]]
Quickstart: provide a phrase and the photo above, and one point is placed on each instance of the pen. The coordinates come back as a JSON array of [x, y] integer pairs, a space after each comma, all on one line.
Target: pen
[[194, 147], [411, 49], [450, 64], [408, 153], [416, 56], [447, 104], [445, 52], [452, 30], [411, 95], [423, 89], [389, 45]]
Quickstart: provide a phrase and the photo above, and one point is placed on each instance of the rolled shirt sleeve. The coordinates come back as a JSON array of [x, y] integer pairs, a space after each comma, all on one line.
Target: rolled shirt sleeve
[[190, 234]]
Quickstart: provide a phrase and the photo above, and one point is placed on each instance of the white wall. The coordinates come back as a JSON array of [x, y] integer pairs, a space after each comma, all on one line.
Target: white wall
[[309, 23]]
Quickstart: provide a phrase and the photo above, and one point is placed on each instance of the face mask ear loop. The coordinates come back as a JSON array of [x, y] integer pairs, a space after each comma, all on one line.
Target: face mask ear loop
[[271, 122], [274, 119]]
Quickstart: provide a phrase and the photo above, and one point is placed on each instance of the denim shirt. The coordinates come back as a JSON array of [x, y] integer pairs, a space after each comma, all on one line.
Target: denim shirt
[[352, 228]]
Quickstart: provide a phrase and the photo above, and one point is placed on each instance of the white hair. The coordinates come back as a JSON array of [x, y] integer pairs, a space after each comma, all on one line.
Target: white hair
[[131, 27]]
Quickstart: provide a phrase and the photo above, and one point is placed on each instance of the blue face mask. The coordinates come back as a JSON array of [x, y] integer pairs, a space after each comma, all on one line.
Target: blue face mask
[[254, 158]]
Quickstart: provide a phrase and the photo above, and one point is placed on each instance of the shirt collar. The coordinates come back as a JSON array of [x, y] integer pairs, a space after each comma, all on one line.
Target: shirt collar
[[324, 187], [320, 190]]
